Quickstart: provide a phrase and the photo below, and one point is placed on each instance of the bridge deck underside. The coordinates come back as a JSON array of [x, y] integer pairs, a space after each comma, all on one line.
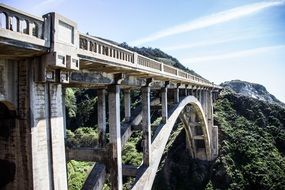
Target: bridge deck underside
[[19, 50], [114, 68]]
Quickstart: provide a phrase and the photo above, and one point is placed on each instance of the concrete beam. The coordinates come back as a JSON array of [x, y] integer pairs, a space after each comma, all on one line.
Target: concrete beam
[[86, 154], [198, 137], [129, 170], [126, 134], [96, 178]]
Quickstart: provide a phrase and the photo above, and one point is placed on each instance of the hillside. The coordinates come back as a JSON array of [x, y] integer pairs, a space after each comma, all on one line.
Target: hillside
[[251, 150], [253, 90]]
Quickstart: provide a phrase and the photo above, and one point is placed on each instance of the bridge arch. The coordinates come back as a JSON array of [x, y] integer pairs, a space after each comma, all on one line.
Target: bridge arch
[[145, 180]]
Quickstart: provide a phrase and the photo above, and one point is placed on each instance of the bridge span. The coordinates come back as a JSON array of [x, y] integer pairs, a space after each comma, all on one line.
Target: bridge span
[[41, 56]]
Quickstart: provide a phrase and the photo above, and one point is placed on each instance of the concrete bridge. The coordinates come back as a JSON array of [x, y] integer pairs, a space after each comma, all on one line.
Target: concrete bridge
[[41, 56]]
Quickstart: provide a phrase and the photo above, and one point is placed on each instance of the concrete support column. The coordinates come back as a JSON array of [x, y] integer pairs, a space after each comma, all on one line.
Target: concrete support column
[[115, 137], [213, 96], [101, 109], [200, 95], [127, 104], [146, 125], [186, 90], [210, 106], [206, 103], [197, 93], [215, 142], [164, 104], [176, 95], [210, 115], [201, 98], [55, 134], [203, 101]]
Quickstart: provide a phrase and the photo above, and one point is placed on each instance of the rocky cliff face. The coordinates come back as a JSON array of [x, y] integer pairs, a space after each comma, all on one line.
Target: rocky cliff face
[[252, 90]]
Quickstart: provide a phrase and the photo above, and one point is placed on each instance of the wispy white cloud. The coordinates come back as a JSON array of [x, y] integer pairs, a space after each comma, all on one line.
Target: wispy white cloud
[[204, 43], [237, 54], [233, 38], [214, 19]]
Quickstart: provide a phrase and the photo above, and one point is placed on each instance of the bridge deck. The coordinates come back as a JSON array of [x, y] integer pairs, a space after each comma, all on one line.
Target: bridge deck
[[33, 36]]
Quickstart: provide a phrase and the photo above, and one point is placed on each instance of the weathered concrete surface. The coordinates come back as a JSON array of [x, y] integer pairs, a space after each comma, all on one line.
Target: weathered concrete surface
[[48, 148], [87, 154], [96, 178], [127, 104], [101, 109], [164, 104], [146, 125], [116, 176]]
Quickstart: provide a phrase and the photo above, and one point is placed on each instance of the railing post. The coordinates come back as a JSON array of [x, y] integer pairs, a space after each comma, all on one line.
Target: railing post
[[135, 58], [101, 109], [146, 125], [115, 137], [127, 104], [88, 44]]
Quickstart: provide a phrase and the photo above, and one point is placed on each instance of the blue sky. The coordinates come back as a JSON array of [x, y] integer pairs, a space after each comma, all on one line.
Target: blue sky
[[219, 39]]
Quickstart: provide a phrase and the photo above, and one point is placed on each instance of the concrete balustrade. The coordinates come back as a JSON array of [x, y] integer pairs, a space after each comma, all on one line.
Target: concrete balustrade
[[147, 62], [23, 26], [98, 46]]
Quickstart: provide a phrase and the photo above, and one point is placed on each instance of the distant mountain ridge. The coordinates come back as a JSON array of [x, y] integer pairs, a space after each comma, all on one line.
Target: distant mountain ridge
[[252, 90]]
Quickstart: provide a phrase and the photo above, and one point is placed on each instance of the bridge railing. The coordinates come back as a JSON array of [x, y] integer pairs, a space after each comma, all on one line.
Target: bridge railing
[[150, 63], [101, 47], [106, 50], [22, 26]]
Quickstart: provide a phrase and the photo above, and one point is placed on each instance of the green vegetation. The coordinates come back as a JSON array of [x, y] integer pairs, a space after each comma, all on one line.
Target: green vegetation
[[252, 144], [82, 137], [130, 153], [252, 150], [77, 173]]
